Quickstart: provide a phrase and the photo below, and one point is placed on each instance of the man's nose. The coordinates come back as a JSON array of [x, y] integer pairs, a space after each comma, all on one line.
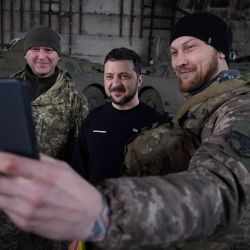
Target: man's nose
[[42, 53], [116, 80], [180, 60]]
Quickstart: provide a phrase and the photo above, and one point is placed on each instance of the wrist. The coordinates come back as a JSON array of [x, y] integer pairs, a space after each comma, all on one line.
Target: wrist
[[99, 229]]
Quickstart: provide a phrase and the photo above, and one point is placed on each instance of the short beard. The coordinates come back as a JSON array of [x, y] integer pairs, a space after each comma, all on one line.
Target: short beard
[[200, 79], [125, 99]]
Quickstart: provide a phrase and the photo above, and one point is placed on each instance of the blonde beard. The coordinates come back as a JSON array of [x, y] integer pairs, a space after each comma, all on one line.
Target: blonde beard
[[200, 78]]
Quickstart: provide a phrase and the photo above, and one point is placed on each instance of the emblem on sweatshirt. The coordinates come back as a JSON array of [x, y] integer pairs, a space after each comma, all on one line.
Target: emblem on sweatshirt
[[100, 131]]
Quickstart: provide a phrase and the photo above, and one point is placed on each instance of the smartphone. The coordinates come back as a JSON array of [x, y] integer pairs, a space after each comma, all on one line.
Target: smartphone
[[17, 130]]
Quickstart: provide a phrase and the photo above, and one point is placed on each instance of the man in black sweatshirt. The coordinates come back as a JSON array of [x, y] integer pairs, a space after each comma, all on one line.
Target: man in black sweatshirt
[[106, 130]]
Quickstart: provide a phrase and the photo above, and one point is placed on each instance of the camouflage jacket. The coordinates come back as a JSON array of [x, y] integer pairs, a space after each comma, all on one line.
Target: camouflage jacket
[[209, 203], [57, 115]]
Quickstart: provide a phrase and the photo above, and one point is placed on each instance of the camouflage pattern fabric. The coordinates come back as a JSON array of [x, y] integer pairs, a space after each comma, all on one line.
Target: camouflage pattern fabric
[[168, 148], [205, 207], [57, 114], [159, 150], [9, 234], [195, 112]]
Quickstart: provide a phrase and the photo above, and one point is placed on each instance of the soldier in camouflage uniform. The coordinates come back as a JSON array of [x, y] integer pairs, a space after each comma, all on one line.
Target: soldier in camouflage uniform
[[205, 207], [58, 108]]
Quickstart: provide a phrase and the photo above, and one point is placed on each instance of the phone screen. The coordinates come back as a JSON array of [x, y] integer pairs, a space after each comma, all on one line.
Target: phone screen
[[17, 130]]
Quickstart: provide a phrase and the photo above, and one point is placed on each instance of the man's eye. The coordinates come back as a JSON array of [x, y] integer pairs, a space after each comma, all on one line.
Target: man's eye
[[108, 77], [191, 46], [49, 50], [124, 77], [35, 49], [173, 53]]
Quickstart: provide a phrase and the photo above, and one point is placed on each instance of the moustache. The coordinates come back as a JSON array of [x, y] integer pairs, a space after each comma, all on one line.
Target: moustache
[[119, 88], [180, 69]]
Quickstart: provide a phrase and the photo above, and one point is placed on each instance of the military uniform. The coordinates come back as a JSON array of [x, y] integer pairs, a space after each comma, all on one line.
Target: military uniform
[[57, 115], [210, 201]]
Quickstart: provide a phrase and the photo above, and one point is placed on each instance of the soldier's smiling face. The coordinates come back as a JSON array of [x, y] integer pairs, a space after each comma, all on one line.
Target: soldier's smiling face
[[42, 60], [121, 83], [194, 62]]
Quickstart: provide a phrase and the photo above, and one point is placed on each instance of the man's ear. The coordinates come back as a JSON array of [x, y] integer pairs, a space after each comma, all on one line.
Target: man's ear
[[222, 55], [140, 80]]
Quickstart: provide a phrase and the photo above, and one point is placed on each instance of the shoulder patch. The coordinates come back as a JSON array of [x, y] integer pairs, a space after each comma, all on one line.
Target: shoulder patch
[[238, 143]]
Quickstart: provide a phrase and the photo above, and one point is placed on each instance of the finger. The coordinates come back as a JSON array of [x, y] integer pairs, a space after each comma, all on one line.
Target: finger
[[26, 210], [45, 229], [8, 186], [11, 164], [15, 205], [40, 221], [46, 158], [18, 220], [50, 160], [18, 187], [29, 204]]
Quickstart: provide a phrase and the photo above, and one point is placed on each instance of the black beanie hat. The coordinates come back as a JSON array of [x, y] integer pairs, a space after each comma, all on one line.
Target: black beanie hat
[[207, 27], [42, 36]]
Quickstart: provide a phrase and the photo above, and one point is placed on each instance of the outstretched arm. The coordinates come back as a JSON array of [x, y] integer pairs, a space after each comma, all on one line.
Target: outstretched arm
[[48, 198], [208, 201]]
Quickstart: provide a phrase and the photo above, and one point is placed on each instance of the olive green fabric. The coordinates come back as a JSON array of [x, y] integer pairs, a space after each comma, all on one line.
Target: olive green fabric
[[57, 114], [42, 36], [160, 150]]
